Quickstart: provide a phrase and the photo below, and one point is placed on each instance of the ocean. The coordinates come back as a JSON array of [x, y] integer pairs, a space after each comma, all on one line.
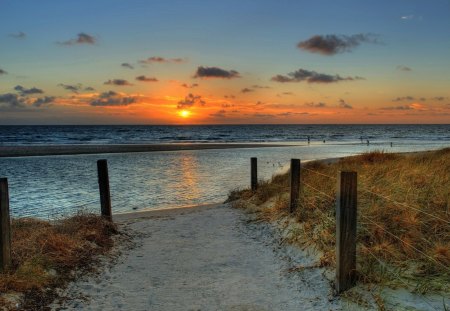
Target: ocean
[[57, 186]]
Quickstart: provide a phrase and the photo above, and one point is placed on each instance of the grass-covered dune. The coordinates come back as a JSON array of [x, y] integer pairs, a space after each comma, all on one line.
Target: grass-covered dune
[[46, 256], [403, 230]]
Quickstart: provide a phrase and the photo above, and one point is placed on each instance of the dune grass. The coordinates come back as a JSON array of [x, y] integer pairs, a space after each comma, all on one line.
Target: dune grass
[[398, 244], [46, 255]]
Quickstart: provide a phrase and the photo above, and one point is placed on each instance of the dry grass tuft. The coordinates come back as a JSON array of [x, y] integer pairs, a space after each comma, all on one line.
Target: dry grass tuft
[[45, 254], [419, 182]]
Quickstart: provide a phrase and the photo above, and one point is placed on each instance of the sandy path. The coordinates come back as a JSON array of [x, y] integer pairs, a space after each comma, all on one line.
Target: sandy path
[[205, 258]]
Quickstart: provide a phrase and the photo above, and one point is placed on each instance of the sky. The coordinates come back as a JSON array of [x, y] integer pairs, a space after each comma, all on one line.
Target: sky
[[224, 62]]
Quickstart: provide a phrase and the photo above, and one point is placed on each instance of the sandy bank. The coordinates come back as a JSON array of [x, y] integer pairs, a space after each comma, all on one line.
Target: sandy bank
[[22, 151], [206, 258]]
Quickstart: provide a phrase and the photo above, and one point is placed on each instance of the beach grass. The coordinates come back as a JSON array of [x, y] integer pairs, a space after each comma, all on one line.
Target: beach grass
[[46, 255], [403, 237]]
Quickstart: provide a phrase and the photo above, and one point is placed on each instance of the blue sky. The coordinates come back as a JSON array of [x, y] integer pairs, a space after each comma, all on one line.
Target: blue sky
[[256, 38]]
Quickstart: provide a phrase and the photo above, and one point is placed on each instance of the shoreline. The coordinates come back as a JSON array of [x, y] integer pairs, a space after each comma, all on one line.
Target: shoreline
[[52, 150]]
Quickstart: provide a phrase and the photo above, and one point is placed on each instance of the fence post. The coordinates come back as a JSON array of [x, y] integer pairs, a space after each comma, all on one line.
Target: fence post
[[254, 173], [295, 184], [346, 211], [5, 227], [103, 184]]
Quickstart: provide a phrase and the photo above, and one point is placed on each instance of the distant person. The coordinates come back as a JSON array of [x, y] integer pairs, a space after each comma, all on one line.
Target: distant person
[[309, 140], [361, 139], [324, 141], [368, 142], [391, 144]]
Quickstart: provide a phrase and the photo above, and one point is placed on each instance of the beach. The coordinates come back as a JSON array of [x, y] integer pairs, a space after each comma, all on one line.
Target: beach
[[46, 150], [203, 258]]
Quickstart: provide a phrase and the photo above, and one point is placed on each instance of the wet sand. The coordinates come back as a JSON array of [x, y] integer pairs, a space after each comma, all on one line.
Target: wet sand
[[24, 151]]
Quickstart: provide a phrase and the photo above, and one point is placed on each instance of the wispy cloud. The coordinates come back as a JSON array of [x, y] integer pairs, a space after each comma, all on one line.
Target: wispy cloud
[[82, 38], [2, 72], [112, 99], [439, 98], [146, 79], [127, 65], [18, 35], [257, 86], [118, 82], [312, 77], [403, 68], [404, 98], [246, 90], [407, 17], [404, 107], [344, 104], [335, 44], [316, 105], [190, 100], [162, 60], [24, 91], [215, 72], [191, 86]]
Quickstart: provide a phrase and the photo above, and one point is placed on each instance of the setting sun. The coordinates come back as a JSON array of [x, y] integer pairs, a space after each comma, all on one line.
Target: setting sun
[[184, 113]]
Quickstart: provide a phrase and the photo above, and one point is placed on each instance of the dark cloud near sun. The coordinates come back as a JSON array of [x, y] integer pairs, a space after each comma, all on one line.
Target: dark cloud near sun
[[439, 98], [405, 98], [335, 44], [316, 105], [246, 90], [43, 101], [111, 99], [24, 91], [404, 107], [162, 60], [257, 86], [127, 65], [146, 79], [190, 100], [118, 82], [216, 72], [312, 77], [18, 35], [185, 85], [82, 38]]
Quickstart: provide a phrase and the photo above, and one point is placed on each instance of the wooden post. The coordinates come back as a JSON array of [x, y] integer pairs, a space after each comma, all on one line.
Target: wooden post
[[5, 227], [103, 183], [295, 184], [346, 204], [254, 173]]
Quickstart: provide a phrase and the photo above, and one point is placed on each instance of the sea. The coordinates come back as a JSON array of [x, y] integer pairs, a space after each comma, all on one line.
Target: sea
[[51, 187]]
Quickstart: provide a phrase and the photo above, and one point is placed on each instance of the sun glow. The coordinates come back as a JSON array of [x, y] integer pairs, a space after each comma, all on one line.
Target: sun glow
[[184, 113]]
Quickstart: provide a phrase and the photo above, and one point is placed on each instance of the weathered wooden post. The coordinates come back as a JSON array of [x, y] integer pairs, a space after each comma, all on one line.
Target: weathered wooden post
[[295, 184], [5, 226], [254, 173], [103, 183], [346, 204]]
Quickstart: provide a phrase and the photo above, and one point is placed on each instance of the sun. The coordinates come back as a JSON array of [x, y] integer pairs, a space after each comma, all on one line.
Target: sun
[[184, 113]]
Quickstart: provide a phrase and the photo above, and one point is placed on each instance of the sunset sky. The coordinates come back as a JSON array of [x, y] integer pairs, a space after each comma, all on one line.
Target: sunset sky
[[224, 62]]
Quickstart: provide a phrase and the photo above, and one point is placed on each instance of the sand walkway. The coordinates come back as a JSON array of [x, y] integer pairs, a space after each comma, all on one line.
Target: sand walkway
[[204, 258]]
